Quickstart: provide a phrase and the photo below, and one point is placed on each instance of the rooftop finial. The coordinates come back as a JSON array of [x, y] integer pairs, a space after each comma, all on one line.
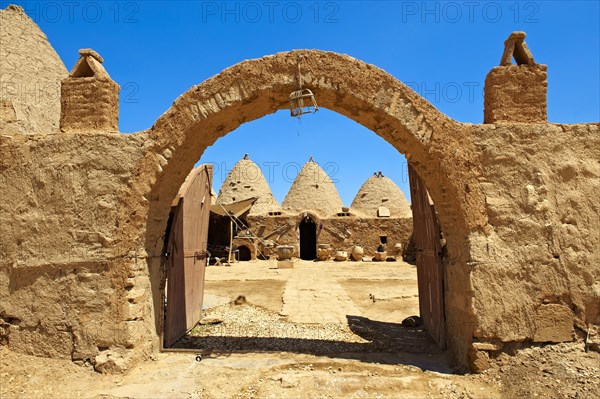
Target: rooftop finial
[[88, 52], [246, 156], [515, 47], [311, 159]]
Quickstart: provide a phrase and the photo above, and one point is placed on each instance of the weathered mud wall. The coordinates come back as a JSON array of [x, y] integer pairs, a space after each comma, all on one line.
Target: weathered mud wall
[[83, 216], [89, 103], [366, 232], [342, 233], [516, 93], [69, 289], [66, 287], [536, 275], [29, 100]]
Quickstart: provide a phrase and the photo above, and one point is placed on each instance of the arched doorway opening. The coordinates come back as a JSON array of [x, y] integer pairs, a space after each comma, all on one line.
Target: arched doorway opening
[[244, 253], [440, 149], [308, 238]]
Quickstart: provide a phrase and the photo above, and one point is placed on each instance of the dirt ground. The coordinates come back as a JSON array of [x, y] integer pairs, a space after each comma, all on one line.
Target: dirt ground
[[260, 351]]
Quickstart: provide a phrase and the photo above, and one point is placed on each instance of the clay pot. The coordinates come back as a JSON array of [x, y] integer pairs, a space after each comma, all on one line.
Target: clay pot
[[285, 252], [341, 256], [357, 252], [380, 256], [323, 253], [398, 250]]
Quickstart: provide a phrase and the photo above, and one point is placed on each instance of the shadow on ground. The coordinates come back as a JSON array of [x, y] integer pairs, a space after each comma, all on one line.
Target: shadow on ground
[[388, 343]]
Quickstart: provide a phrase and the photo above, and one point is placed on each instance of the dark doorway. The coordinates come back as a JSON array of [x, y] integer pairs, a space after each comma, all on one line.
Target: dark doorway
[[308, 239], [245, 254]]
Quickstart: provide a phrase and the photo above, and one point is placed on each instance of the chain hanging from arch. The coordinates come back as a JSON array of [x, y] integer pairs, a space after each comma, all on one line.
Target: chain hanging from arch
[[302, 101]]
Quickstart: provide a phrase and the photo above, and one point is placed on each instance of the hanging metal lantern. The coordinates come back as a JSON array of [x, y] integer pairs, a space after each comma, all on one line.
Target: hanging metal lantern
[[302, 102]]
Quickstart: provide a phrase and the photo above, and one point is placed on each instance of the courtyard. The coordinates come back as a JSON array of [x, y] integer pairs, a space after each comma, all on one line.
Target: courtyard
[[338, 309], [310, 331], [116, 131]]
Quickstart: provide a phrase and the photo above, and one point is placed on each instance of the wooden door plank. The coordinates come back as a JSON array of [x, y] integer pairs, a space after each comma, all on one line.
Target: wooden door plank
[[196, 204], [175, 309], [187, 247], [426, 236]]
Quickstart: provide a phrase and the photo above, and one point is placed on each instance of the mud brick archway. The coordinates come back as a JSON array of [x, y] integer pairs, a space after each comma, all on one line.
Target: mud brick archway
[[84, 209], [439, 149]]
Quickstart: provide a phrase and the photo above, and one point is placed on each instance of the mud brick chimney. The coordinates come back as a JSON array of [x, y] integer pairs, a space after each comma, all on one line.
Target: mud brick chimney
[[516, 93], [89, 97]]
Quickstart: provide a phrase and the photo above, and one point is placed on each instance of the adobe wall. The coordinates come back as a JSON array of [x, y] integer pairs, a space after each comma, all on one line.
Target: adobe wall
[[29, 100], [536, 266], [89, 103], [67, 287], [516, 93], [366, 232], [82, 216], [342, 233]]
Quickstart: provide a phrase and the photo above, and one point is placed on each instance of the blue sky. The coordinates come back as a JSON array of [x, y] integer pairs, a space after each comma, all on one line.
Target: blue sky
[[156, 50]]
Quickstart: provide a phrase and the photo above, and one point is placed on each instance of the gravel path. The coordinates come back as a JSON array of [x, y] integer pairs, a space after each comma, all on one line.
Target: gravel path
[[252, 328]]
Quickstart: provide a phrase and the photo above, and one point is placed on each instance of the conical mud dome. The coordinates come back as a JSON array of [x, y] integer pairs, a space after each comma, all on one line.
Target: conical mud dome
[[246, 180], [30, 75], [313, 190], [379, 191]]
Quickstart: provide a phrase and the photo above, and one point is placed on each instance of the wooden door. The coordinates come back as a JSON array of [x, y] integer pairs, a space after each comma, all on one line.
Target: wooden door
[[187, 244], [430, 273]]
